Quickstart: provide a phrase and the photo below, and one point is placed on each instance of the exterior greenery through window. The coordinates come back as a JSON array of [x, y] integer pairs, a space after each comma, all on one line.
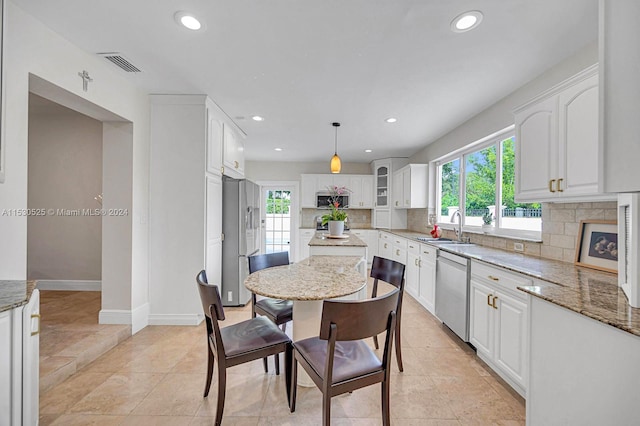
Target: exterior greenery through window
[[488, 180]]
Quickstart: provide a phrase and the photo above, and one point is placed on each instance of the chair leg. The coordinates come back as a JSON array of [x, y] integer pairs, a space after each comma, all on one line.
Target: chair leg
[[222, 387], [294, 384], [326, 409], [284, 327], [276, 358], [287, 371], [375, 342], [210, 362], [398, 349], [266, 365], [386, 415]]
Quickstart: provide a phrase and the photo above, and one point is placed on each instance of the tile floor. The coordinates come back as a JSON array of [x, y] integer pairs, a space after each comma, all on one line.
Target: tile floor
[[157, 376]]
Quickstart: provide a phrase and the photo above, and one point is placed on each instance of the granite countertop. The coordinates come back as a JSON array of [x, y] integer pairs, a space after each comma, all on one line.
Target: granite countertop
[[322, 239], [589, 292], [314, 278], [15, 293]]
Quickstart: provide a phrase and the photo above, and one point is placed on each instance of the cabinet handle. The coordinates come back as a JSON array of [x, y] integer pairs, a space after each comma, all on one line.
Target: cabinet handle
[[397, 252], [415, 261], [385, 245], [236, 164], [559, 187], [411, 246], [222, 170], [425, 252], [551, 185], [420, 263], [489, 296], [494, 302], [396, 203], [491, 277], [34, 333]]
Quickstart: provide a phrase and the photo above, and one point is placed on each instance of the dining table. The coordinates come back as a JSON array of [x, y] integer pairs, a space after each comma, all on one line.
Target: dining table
[[307, 283]]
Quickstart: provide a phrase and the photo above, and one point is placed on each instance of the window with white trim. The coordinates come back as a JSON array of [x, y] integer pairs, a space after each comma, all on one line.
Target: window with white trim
[[479, 180]]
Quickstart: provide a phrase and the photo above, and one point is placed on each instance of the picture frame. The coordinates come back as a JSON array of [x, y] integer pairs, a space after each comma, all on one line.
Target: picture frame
[[597, 245]]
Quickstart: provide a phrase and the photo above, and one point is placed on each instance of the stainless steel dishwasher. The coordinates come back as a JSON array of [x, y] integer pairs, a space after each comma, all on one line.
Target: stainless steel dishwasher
[[452, 292]]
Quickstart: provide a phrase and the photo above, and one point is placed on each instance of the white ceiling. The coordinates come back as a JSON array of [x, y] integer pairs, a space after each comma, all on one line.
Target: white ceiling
[[303, 64]]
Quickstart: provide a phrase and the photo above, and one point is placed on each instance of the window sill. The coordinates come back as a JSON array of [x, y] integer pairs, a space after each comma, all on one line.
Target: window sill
[[530, 236]]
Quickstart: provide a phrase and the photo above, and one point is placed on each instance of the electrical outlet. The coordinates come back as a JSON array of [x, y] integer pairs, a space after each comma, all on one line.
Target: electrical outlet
[[518, 246], [229, 296]]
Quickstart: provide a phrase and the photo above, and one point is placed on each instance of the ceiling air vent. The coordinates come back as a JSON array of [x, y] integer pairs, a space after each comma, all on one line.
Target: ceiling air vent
[[120, 61]]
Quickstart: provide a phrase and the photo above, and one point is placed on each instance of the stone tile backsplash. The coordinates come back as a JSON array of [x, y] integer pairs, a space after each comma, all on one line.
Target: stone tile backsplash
[[357, 218], [560, 226]]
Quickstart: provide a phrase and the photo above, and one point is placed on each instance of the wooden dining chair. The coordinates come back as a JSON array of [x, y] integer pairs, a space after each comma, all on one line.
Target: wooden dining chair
[[238, 343], [277, 310], [391, 272], [338, 360]]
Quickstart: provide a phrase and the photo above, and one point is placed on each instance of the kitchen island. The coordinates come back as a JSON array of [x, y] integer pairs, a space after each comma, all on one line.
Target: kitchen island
[[322, 244]]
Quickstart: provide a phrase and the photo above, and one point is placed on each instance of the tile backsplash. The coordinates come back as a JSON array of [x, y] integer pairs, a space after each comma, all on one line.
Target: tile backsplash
[[560, 225], [357, 218]]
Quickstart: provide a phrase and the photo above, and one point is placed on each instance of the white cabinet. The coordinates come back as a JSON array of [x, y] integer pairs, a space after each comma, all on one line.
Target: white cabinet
[[385, 245], [214, 143], [213, 229], [557, 142], [303, 243], [427, 277], [362, 191], [370, 237], [385, 214], [412, 270], [499, 322], [233, 153], [31, 360], [382, 171], [410, 187], [308, 189], [399, 249], [6, 344]]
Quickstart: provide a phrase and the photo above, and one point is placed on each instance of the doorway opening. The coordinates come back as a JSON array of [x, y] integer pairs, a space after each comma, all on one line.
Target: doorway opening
[[279, 223]]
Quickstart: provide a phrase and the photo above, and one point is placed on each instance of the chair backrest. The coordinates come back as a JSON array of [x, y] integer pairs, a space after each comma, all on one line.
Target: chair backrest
[[387, 270], [209, 295], [358, 319], [262, 261]]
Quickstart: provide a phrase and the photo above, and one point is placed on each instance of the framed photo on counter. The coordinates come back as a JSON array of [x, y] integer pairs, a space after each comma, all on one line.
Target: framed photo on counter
[[597, 245]]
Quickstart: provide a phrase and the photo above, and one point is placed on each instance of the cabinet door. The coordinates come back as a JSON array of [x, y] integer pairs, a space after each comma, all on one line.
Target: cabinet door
[[6, 346], [213, 225], [303, 249], [481, 315], [536, 151], [382, 185], [578, 139], [233, 153], [324, 182], [385, 248], [308, 187], [398, 190], [427, 284], [406, 187], [31, 360], [355, 197], [412, 275], [340, 180], [382, 218], [511, 337], [214, 145], [366, 193]]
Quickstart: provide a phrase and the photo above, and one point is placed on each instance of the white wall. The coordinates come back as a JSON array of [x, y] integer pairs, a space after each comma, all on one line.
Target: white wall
[[289, 170], [30, 47], [499, 115], [65, 172]]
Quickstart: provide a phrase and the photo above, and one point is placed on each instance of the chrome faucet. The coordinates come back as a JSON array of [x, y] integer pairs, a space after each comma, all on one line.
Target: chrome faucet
[[457, 230]]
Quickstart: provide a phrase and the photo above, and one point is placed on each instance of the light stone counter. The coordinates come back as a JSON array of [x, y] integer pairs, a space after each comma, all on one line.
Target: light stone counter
[[15, 293], [322, 239]]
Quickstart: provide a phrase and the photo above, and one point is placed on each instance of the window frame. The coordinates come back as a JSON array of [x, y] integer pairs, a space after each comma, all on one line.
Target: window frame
[[461, 154]]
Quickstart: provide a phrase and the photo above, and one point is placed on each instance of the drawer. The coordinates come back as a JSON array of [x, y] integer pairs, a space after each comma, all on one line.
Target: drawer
[[413, 247], [386, 237], [499, 277], [400, 243], [428, 253]]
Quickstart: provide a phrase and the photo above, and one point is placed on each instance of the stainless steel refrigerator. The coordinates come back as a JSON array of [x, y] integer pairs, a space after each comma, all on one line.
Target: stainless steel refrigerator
[[241, 229]]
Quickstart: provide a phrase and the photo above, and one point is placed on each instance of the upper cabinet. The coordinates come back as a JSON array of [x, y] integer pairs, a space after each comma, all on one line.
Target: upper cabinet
[[214, 143], [233, 153], [557, 143], [387, 189], [410, 187], [383, 181], [361, 186]]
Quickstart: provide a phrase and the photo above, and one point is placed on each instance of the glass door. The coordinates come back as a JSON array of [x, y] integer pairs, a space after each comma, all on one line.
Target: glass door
[[277, 219], [382, 186]]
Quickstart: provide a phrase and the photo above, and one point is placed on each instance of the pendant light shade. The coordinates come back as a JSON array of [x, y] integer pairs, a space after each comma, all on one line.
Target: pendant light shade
[[336, 163]]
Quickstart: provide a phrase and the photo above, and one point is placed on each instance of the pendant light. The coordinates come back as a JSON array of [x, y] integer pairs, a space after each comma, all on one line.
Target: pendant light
[[336, 164]]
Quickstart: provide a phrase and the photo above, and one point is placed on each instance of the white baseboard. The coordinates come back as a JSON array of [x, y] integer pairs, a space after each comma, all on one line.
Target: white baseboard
[[175, 319], [139, 318], [114, 316], [69, 285]]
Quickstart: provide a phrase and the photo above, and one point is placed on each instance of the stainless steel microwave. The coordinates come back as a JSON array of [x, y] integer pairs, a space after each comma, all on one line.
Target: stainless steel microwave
[[323, 201]]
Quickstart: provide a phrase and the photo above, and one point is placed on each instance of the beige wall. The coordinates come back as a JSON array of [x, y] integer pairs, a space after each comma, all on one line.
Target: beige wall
[[65, 172]]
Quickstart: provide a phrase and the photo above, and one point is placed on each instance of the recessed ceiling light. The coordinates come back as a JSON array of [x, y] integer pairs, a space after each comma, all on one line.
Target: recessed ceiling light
[[368, 150], [187, 20], [466, 21], [391, 120], [278, 149], [257, 118]]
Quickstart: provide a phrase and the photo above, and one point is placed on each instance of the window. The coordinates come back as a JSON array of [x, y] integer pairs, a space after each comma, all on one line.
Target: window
[[487, 188]]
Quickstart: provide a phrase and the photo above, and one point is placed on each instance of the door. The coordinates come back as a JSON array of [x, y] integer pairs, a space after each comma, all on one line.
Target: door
[[279, 224]]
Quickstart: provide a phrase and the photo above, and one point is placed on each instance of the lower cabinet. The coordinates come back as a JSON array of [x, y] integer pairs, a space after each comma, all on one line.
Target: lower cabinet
[[427, 278], [385, 245], [369, 236], [498, 322], [303, 243], [412, 270]]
